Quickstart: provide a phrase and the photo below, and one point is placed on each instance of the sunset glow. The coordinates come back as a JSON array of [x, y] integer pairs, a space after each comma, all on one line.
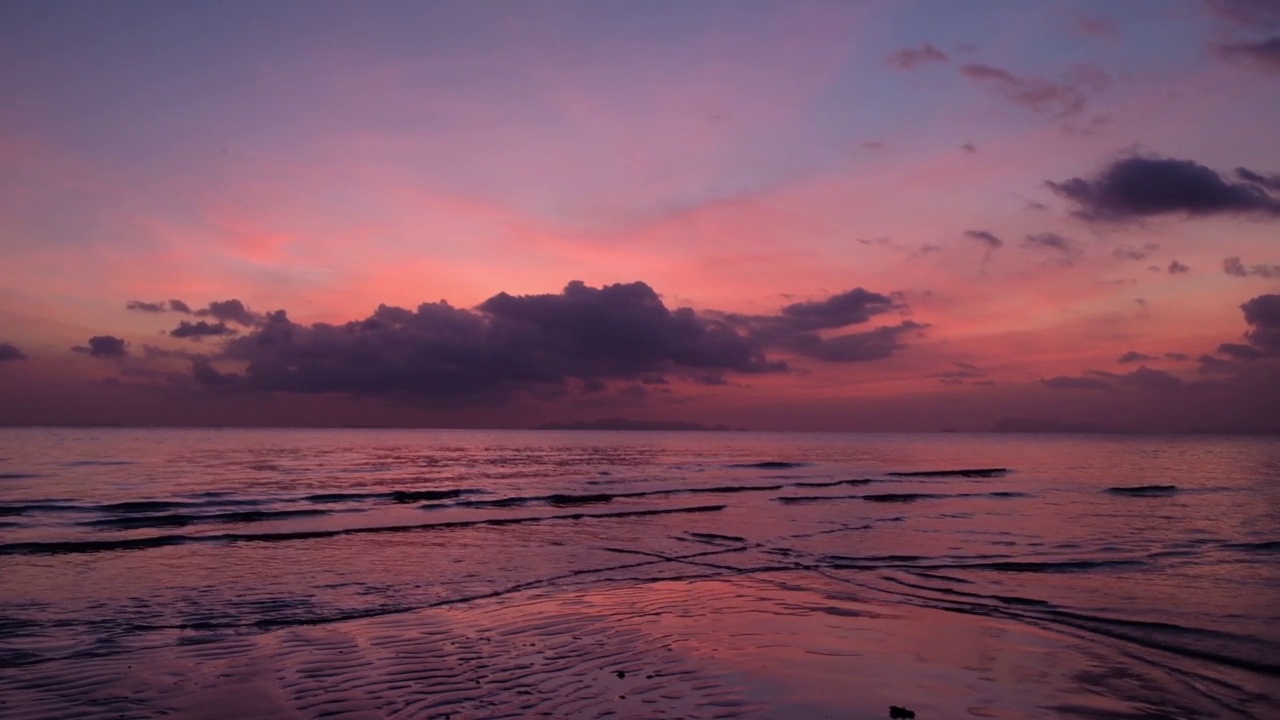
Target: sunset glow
[[872, 215]]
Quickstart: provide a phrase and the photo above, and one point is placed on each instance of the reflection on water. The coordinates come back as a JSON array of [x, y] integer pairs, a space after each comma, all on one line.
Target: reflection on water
[[1096, 576]]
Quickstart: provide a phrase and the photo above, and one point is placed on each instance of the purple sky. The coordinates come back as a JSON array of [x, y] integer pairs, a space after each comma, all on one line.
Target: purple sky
[[817, 215]]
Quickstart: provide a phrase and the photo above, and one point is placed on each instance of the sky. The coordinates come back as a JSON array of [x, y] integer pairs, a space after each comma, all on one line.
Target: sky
[[900, 216]]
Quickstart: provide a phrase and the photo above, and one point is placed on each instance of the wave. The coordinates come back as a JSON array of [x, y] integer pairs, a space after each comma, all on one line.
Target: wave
[[900, 497], [1064, 566], [1144, 490], [35, 506], [715, 537], [770, 465], [97, 463], [969, 472], [895, 497], [88, 546], [18, 476], [183, 519], [560, 499], [832, 483], [408, 496], [1265, 546]]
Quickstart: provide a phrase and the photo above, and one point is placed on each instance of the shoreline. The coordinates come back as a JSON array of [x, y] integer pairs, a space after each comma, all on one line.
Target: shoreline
[[788, 645]]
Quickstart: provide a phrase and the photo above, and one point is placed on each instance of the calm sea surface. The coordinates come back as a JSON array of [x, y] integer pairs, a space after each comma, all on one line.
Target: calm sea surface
[[1151, 558]]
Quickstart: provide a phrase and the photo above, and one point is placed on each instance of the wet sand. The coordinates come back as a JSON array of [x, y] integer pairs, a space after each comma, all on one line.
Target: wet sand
[[783, 645]]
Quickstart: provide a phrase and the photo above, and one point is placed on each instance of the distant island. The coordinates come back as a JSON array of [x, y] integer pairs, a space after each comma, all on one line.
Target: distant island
[[617, 423]]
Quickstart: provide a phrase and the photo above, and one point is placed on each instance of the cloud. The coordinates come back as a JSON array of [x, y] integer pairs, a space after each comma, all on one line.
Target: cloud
[[969, 148], [912, 58], [158, 307], [1270, 182], [582, 339], [229, 311], [104, 346], [964, 374], [1045, 97], [1063, 382], [1262, 340], [1177, 268], [1138, 187], [1180, 357], [987, 238], [9, 352], [508, 343], [1144, 378], [855, 347], [1247, 13], [151, 352], [1263, 54], [1133, 356], [1128, 252], [1262, 313], [848, 308], [1064, 246], [201, 329], [1233, 266]]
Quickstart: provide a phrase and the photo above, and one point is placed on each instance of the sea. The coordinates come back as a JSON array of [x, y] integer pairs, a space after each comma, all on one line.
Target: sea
[[523, 573]]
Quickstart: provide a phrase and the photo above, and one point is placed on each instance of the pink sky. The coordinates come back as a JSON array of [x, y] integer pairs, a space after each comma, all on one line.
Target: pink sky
[[736, 158]]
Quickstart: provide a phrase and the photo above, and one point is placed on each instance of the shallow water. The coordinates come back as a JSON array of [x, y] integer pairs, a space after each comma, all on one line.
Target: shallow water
[[1094, 577]]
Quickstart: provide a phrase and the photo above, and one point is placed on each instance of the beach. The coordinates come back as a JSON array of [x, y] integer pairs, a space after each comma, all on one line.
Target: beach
[[466, 574]]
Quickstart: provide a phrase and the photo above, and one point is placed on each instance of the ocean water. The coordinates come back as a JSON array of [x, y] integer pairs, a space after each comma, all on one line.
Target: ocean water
[[1072, 576]]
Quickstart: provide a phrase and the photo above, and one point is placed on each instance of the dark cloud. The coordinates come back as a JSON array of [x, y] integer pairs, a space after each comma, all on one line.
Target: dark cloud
[[1262, 340], [1063, 382], [151, 352], [1177, 268], [912, 58], [158, 307], [963, 374], [1144, 378], [1064, 246], [1133, 356], [969, 148], [582, 339], [796, 327], [1263, 54], [1237, 351], [104, 346], [140, 306], [1138, 187], [205, 374], [508, 343], [1180, 357], [201, 329], [1262, 313], [1270, 182], [1233, 266], [229, 311], [855, 347], [9, 352], [986, 237], [1046, 97], [1259, 14], [848, 308], [1128, 252]]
